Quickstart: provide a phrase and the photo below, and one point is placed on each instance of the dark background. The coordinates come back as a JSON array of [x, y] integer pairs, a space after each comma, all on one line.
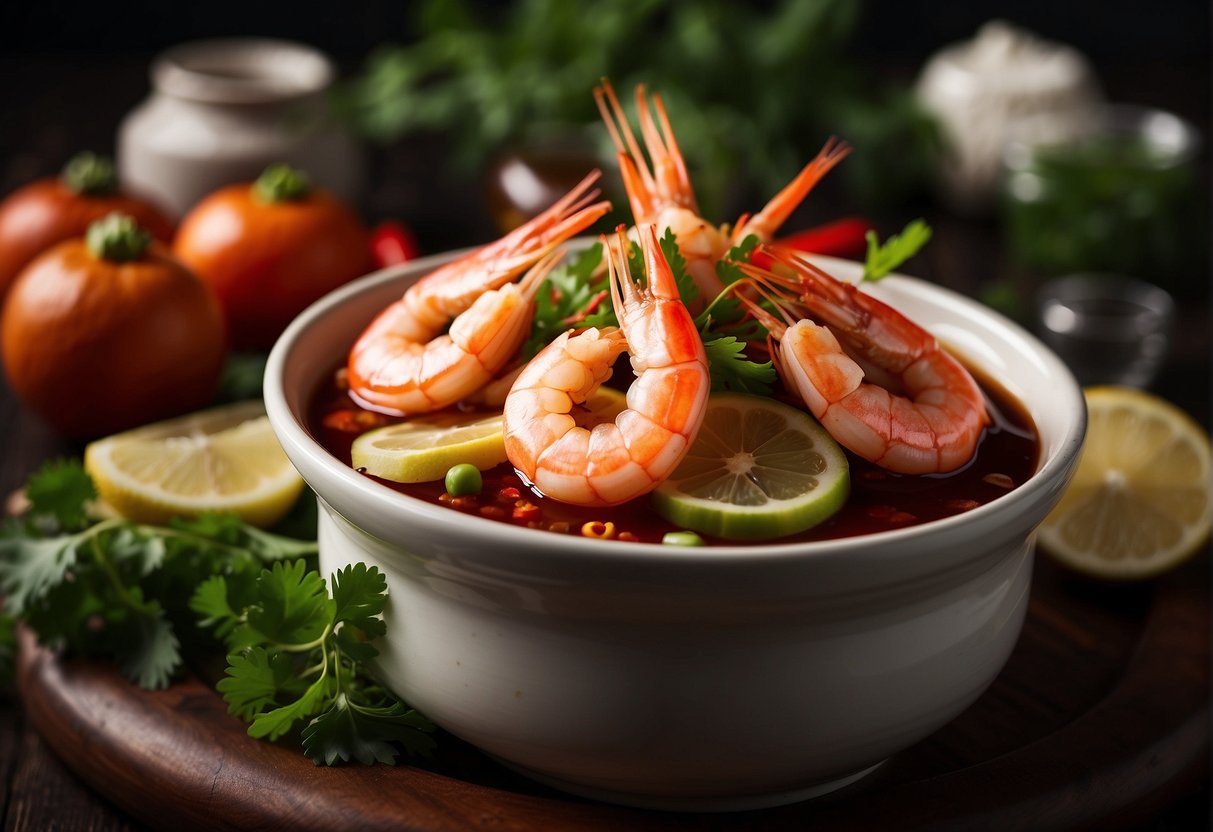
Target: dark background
[[1116, 30]]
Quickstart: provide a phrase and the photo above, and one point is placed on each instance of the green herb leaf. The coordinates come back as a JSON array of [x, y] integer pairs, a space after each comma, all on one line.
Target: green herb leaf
[[367, 734], [255, 681], [574, 293], [359, 595], [293, 607], [732, 371], [882, 259], [61, 490], [30, 567], [299, 653], [153, 654]]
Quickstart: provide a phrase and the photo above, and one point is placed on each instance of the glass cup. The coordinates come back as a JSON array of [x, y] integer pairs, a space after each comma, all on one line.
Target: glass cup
[[1109, 329]]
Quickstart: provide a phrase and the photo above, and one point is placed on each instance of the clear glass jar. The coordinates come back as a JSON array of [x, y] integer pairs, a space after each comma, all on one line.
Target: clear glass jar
[[221, 111]]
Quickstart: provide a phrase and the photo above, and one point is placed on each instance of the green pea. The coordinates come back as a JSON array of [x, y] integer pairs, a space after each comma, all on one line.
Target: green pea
[[463, 479], [682, 539]]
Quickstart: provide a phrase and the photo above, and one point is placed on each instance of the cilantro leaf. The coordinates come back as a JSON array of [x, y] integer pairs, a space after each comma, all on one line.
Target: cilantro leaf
[[299, 653], [293, 608], [348, 731], [882, 259], [153, 654], [732, 371], [273, 724], [359, 595], [30, 567], [255, 681], [727, 268], [61, 490], [573, 294]]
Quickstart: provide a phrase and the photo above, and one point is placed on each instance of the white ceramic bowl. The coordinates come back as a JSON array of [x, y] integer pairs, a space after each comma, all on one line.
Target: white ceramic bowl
[[684, 678]]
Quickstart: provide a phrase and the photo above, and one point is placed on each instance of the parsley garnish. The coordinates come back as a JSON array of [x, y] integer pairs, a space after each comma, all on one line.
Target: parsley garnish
[[114, 588], [573, 294], [882, 259], [297, 658], [133, 593]]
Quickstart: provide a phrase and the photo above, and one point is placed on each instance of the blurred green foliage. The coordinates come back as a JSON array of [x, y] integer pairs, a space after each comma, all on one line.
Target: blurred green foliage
[[752, 91]]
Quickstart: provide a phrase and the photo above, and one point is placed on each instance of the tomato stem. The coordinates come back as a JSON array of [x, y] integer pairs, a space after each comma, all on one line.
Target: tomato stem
[[281, 183], [90, 175], [117, 237]]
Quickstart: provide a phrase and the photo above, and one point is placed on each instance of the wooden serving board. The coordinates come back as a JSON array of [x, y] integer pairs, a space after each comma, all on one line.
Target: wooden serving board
[[1099, 720]]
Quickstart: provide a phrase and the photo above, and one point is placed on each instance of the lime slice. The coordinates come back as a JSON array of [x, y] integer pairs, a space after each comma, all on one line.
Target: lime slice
[[1140, 501], [223, 459], [423, 449], [758, 469]]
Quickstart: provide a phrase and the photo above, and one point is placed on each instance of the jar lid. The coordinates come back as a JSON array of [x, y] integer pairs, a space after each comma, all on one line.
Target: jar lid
[[241, 71]]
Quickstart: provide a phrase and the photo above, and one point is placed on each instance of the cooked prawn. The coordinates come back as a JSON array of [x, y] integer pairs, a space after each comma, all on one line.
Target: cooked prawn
[[404, 364], [663, 195], [612, 462], [924, 416]]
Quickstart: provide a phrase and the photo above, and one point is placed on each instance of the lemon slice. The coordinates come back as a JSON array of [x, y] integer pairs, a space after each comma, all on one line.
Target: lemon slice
[[225, 459], [758, 469], [425, 447], [1140, 501]]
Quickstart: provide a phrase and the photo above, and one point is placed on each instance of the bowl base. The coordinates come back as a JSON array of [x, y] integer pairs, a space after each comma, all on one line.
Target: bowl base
[[740, 803]]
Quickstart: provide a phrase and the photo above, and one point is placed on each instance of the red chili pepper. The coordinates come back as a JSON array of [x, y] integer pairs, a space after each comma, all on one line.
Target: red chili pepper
[[841, 238], [392, 243]]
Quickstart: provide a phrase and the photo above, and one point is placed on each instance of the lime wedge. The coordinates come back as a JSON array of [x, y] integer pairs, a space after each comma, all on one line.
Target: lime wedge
[[425, 448], [758, 469]]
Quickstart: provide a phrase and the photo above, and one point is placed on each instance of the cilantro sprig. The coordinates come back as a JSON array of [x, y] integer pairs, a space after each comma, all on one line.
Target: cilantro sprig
[[105, 586], [298, 656], [882, 258]]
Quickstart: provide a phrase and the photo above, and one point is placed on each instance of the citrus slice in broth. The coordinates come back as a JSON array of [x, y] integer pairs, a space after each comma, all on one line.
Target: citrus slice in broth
[[226, 459], [758, 469], [424, 448], [1140, 500]]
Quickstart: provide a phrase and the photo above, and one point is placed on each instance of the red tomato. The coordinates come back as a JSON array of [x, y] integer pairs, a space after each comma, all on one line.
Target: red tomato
[[96, 345], [269, 249], [49, 211]]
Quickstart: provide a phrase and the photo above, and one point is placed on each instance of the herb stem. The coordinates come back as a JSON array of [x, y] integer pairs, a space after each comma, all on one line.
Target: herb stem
[[111, 574]]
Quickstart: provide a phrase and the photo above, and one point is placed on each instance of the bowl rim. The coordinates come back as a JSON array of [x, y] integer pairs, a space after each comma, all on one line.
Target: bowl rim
[[1041, 489]]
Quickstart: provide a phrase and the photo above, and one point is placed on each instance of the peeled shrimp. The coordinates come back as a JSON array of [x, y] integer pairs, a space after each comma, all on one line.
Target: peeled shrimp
[[924, 416], [404, 364], [612, 462], [663, 195]]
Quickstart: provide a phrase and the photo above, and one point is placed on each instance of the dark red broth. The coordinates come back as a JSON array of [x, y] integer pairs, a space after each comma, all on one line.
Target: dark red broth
[[1006, 456]]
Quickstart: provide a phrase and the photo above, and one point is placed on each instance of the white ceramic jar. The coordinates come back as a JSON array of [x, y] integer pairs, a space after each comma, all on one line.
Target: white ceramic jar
[[981, 89], [221, 111]]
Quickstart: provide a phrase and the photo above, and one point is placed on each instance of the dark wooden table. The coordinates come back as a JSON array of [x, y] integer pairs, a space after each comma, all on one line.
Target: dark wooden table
[[77, 102]]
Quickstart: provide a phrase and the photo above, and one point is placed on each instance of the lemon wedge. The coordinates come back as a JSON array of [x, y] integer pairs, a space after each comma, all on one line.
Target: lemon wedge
[[757, 469], [225, 459], [1140, 502]]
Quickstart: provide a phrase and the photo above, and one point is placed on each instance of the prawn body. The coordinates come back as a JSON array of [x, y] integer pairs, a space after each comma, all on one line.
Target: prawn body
[[880, 384], [613, 461], [403, 363]]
